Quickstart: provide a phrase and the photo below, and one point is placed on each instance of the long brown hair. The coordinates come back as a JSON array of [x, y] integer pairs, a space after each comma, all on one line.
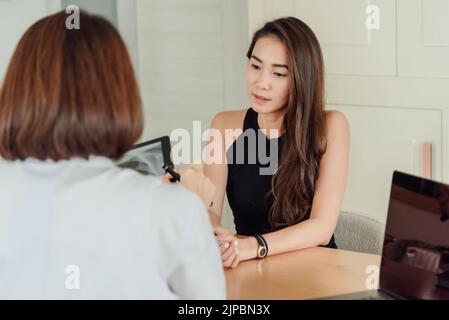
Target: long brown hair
[[69, 93], [304, 143]]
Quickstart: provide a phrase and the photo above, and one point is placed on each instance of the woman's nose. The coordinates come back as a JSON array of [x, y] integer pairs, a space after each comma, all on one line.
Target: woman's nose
[[263, 82]]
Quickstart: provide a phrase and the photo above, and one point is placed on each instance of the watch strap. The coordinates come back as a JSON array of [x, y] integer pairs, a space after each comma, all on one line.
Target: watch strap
[[262, 245]]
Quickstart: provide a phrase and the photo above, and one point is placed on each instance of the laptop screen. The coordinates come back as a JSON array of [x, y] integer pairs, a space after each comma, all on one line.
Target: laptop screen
[[415, 257]]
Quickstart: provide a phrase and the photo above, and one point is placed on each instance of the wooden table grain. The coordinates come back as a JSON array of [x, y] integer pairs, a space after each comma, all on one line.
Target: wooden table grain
[[306, 274]]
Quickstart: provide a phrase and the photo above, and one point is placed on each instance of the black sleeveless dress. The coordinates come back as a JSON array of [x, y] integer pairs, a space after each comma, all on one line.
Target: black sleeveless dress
[[252, 161]]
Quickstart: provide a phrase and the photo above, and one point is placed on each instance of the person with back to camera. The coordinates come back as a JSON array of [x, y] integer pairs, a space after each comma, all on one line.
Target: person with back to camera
[[297, 205], [72, 224]]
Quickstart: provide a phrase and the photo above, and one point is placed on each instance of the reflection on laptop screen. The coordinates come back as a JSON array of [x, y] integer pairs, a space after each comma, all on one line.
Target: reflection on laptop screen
[[415, 258], [147, 160]]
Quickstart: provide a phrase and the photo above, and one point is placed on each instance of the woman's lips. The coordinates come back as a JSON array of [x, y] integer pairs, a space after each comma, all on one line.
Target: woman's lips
[[260, 99]]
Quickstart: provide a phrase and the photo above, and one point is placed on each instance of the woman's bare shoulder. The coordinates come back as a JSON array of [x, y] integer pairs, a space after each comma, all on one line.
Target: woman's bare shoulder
[[336, 123]]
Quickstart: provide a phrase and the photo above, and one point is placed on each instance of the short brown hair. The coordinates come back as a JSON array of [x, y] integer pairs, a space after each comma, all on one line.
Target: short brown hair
[[69, 93]]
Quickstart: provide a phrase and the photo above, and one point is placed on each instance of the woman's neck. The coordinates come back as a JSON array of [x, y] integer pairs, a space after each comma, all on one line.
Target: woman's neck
[[272, 121]]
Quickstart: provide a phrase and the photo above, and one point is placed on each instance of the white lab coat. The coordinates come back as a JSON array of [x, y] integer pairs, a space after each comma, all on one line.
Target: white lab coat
[[85, 229]]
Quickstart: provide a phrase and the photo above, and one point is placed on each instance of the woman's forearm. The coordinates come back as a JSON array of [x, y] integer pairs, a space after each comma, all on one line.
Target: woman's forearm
[[307, 234], [214, 219]]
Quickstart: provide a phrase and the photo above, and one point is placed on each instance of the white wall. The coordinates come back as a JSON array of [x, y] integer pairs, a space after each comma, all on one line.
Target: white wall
[[15, 17], [190, 61]]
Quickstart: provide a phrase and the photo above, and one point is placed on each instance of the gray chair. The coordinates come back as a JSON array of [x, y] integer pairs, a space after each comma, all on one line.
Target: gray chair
[[355, 232]]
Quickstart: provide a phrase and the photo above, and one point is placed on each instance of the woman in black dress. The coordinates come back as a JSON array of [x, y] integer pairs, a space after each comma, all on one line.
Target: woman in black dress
[[285, 168]]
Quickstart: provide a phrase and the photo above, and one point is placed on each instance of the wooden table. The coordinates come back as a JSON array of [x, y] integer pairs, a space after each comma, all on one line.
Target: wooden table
[[307, 274]]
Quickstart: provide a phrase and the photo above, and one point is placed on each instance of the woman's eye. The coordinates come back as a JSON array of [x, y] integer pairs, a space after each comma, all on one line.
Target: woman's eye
[[255, 67], [277, 74]]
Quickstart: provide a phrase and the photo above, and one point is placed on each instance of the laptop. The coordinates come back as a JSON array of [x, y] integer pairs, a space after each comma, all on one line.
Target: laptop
[[415, 254]]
